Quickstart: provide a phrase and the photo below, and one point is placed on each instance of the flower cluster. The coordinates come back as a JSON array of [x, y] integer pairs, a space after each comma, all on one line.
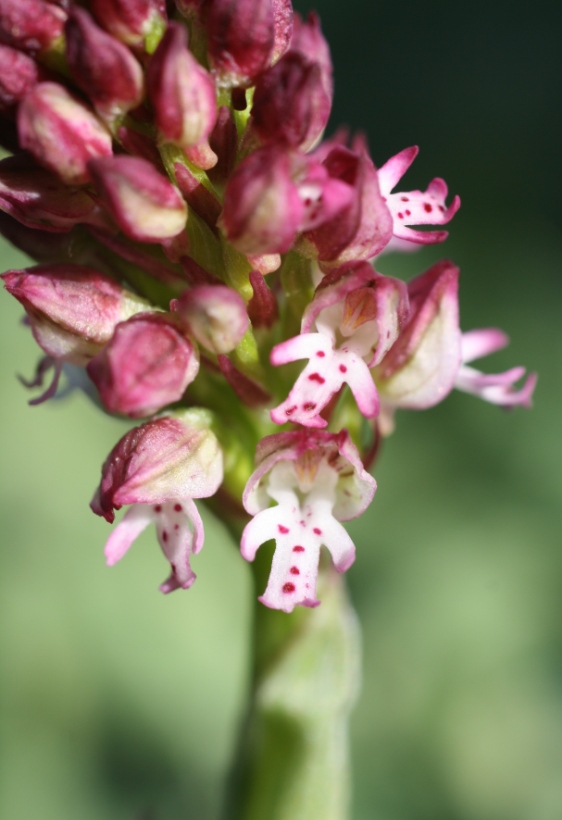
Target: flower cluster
[[195, 236]]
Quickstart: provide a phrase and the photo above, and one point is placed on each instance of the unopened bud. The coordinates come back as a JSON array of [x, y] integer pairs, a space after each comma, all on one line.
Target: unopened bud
[[18, 74], [147, 365], [290, 104], [216, 315], [61, 133], [309, 41], [131, 21], [72, 309], [31, 25], [262, 207], [145, 204], [183, 96], [37, 198], [245, 37], [102, 66]]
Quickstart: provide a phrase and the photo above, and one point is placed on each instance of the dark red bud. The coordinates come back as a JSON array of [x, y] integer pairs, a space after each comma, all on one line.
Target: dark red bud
[[128, 20], [31, 25], [102, 66], [241, 38], [18, 74], [290, 103]]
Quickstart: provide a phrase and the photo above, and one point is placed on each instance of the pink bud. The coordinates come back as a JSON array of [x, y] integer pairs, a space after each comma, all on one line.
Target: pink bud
[[61, 133], [147, 365], [102, 66], [72, 309], [145, 204], [128, 20], [216, 315], [262, 209], [167, 459], [182, 94], [242, 37], [309, 41], [38, 198], [31, 25], [18, 74], [290, 103]]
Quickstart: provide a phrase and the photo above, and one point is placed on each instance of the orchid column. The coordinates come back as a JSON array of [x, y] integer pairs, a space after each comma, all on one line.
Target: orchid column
[[196, 238]]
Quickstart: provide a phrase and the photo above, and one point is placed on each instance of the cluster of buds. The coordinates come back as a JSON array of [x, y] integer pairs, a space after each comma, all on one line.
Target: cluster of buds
[[195, 235]]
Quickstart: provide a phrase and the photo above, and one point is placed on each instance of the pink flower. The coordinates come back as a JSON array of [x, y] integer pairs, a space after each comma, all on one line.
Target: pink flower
[[159, 468], [316, 480], [415, 207], [353, 320], [497, 388]]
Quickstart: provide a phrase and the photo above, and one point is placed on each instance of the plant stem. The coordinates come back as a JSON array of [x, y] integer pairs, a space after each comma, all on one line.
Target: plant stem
[[292, 761]]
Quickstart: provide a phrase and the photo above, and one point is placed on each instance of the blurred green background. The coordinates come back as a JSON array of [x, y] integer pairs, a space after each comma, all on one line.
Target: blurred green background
[[115, 700]]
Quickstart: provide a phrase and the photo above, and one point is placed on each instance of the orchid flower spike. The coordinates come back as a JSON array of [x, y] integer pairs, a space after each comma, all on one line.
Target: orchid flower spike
[[415, 207], [353, 320], [317, 480], [159, 468], [497, 388]]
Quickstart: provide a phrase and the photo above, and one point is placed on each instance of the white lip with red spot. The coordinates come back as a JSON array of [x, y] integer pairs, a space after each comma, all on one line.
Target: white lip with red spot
[[300, 524], [415, 207], [180, 533]]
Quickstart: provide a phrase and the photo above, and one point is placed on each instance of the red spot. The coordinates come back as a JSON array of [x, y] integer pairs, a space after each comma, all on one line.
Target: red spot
[[164, 535], [427, 207], [408, 213], [404, 199], [158, 508], [295, 571], [343, 368], [288, 587], [282, 529], [176, 526], [316, 377], [298, 549], [290, 410], [441, 208], [320, 354], [308, 406], [400, 215], [317, 531], [177, 507]]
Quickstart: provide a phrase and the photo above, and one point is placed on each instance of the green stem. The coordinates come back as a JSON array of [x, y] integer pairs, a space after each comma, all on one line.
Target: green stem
[[292, 761]]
